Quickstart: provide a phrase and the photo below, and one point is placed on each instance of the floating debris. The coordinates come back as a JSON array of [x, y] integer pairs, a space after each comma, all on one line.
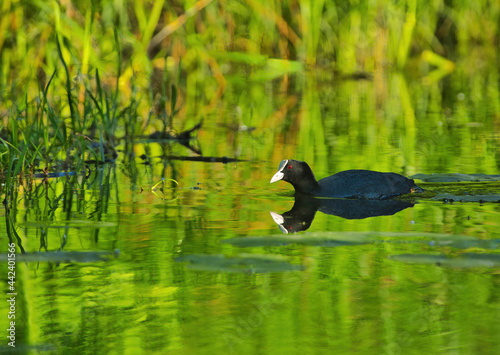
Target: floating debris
[[243, 263], [336, 239], [466, 198], [223, 160], [64, 256], [455, 177], [183, 138], [462, 261]]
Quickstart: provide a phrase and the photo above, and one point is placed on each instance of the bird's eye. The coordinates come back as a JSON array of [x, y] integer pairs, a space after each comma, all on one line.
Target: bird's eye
[[289, 167]]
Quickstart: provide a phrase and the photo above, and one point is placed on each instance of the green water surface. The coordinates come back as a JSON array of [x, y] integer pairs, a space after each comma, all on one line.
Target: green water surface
[[116, 265]]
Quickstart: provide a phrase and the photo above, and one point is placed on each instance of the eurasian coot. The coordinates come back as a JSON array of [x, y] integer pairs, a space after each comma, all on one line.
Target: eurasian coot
[[346, 184]]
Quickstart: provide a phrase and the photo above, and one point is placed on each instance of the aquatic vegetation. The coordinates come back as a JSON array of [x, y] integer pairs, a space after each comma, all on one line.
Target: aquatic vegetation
[[102, 74]]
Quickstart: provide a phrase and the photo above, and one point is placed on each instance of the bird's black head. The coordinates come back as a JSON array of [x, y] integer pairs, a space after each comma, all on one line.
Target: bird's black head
[[297, 173]]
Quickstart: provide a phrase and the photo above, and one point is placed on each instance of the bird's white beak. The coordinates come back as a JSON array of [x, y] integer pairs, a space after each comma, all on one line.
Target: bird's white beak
[[278, 176]]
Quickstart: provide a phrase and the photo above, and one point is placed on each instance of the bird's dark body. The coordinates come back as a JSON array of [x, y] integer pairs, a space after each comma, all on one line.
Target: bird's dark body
[[362, 184]]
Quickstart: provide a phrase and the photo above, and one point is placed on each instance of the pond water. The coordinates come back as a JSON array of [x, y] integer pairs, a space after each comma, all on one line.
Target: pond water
[[121, 261]]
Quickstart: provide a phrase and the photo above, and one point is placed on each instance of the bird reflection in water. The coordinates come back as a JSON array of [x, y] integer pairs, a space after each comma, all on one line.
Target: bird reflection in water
[[300, 217]]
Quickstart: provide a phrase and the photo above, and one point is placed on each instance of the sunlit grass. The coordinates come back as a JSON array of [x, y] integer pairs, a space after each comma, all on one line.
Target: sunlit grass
[[78, 78]]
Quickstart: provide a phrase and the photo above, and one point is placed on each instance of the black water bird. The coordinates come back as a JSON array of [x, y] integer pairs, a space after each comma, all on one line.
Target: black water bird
[[361, 184]]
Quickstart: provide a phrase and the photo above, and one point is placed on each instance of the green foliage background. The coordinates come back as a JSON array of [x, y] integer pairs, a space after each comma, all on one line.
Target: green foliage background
[[108, 69]]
